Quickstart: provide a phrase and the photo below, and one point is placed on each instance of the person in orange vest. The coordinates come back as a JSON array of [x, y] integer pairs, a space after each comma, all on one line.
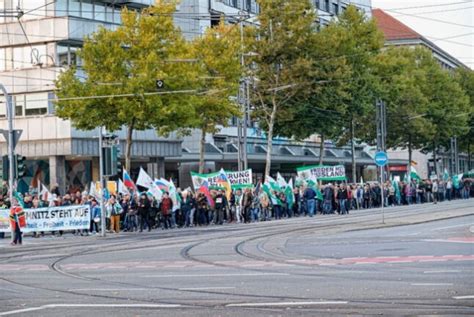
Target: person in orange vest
[[17, 221]]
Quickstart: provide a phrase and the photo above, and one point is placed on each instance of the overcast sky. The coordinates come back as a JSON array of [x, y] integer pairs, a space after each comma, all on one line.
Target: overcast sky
[[447, 23]]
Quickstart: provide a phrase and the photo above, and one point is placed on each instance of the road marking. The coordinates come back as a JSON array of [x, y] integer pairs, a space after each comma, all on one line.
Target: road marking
[[464, 297], [449, 227], [442, 271], [110, 289], [431, 284], [205, 288], [25, 310], [286, 304], [218, 275]]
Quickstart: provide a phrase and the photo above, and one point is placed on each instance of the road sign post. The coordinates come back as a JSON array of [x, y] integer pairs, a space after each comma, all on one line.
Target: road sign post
[[381, 159]]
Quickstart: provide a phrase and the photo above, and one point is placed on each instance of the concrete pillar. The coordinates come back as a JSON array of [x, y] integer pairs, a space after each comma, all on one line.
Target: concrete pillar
[[156, 167], [57, 172], [95, 169]]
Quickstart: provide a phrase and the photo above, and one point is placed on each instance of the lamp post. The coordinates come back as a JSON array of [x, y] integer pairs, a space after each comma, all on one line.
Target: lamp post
[[10, 139]]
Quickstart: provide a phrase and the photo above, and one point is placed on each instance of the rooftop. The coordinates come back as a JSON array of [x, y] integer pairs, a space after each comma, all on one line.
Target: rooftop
[[392, 28]]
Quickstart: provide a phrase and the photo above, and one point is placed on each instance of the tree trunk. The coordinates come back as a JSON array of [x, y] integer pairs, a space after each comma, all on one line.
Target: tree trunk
[[321, 150], [202, 149], [268, 161], [354, 167], [435, 159], [409, 157], [128, 146], [469, 156]]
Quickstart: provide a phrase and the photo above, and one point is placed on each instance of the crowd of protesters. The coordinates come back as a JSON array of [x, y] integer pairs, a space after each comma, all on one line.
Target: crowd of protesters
[[131, 213]]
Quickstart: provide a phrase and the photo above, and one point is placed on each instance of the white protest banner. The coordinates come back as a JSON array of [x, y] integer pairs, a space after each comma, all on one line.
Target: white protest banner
[[239, 179], [323, 172], [54, 218], [4, 220]]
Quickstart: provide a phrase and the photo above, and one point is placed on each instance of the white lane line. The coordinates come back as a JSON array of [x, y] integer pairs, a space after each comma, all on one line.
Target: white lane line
[[205, 288], [286, 304], [218, 275], [110, 289], [442, 271], [25, 310], [464, 297], [431, 284], [449, 227]]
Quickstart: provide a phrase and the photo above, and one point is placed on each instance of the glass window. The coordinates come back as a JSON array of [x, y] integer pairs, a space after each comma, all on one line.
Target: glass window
[[36, 104], [117, 16], [87, 10], [99, 12], [19, 101], [335, 8], [37, 8], [74, 8], [61, 7]]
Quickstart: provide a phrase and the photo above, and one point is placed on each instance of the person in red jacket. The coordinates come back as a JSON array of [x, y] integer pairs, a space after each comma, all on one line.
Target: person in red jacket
[[166, 206], [17, 221]]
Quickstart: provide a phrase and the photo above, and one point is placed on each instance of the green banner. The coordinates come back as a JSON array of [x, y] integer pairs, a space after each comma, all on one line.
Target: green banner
[[323, 172], [238, 180]]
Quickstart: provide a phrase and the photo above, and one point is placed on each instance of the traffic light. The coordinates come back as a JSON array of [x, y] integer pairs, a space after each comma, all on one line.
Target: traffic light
[[20, 166]]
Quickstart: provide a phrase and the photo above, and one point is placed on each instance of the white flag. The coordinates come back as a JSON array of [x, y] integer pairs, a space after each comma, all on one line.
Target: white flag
[[146, 181], [44, 194], [281, 181], [122, 189]]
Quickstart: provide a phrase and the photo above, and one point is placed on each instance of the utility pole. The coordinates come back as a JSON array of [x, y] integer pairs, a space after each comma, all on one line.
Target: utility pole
[[11, 153], [381, 133], [101, 182]]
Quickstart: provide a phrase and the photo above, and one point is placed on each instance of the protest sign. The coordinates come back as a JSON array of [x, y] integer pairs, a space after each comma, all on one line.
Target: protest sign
[[239, 179], [323, 172], [53, 218]]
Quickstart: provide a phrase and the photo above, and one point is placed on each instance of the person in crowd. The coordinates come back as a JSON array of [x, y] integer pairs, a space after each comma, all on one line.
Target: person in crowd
[[435, 191], [96, 216], [342, 199], [115, 210], [186, 205], [17, 221], [265, 206], [202, 207], [247, 204], [220, 206], [309, 196], [328, 195], [166, 206], [143, 212]]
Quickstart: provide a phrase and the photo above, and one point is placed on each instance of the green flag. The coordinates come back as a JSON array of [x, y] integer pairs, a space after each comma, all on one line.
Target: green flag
[[457, 181], [272, 183], [414, 174], [20, 200], [268, 190], [290, 197], [445, 175]]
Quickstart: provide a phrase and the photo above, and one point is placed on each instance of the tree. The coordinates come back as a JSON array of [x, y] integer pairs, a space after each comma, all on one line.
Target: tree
[[360, 42], [128, 61], [286, 31], [402, 75], [320, 107], [449, 106], [220, 70], [465, 78]]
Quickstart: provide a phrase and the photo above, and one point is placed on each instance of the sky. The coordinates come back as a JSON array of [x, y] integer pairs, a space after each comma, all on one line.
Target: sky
[[447, 23]]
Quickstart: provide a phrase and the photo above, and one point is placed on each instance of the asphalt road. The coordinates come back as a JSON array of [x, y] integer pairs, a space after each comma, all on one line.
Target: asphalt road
[[420, 262]]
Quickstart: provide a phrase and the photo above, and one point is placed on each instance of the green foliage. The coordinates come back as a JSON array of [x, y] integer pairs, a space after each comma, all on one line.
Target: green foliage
[[218, 52], [281, 44], [465, 78], [402, 74], [129, 60]]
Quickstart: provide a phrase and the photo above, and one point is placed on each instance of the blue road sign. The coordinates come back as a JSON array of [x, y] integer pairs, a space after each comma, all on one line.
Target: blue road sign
[[381, 158]]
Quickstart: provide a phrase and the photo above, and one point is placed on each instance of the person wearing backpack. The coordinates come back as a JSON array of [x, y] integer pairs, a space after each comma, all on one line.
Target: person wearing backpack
[[115, 210]]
